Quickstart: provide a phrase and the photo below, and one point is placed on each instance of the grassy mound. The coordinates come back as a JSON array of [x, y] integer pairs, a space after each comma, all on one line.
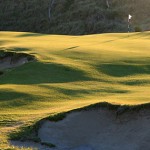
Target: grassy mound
[[71, 72]]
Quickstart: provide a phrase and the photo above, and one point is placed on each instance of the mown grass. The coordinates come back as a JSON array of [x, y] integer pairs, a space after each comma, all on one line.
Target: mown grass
[[70, 72]]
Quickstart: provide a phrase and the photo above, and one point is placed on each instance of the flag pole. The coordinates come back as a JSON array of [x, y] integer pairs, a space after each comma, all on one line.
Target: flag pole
[[129, 19], [128, 27]]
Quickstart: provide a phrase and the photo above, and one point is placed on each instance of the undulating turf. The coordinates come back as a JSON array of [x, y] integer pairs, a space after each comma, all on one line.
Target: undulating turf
[[71, 72]]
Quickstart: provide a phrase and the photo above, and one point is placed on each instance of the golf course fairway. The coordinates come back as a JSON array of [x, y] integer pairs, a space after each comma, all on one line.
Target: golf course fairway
[[71, 72]]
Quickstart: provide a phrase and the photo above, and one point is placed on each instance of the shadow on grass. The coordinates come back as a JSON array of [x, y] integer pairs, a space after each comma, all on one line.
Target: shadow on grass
[[14, 99], [37, 72], [3, 42], [145, 35], [70, 48], [78, 93], [122, 70], [30, 35], [10, 95], [136, 82], [14, 49]]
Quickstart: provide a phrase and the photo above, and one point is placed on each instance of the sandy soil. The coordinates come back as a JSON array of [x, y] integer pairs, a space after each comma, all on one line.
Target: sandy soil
[[97, 130], [30, 145], [7, 62]]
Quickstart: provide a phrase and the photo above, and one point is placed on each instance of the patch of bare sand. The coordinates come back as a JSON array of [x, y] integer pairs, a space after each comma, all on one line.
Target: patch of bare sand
[[30, 145], [98, 129], [7, 62]]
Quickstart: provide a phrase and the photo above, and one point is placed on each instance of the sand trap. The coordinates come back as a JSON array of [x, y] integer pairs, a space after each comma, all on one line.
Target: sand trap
[[30, 145], [12, 60], [7, 62], [98, 129]]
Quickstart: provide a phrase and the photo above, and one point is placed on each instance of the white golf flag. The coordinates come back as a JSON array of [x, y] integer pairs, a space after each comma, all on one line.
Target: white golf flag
[[129, 17]]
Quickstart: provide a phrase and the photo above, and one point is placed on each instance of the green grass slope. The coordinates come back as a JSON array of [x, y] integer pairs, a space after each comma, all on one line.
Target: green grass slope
[[73, 16], [71, 72]]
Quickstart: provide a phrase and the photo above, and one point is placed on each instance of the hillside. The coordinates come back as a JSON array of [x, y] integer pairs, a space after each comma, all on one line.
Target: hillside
[[73, 17], [70, 72]]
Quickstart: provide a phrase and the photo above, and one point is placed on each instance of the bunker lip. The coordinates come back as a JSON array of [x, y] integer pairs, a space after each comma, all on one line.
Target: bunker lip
[[96, 128], [10, 60]]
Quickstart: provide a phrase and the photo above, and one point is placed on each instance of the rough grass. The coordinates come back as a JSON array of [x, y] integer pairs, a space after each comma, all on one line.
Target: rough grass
[[71, 72]]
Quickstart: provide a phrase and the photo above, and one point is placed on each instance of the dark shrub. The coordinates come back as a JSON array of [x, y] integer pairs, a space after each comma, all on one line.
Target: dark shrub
[[137, 29]]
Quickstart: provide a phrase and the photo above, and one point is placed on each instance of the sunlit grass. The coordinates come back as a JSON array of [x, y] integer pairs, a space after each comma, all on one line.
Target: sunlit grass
[[71, 72]]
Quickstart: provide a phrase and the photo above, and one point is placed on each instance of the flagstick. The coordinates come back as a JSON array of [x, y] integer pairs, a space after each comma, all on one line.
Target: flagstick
[[128, 28], [129, 19]]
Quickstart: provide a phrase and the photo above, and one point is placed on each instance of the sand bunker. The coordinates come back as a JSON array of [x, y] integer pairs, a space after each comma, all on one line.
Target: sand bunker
[[97, 129], [12, 60]]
